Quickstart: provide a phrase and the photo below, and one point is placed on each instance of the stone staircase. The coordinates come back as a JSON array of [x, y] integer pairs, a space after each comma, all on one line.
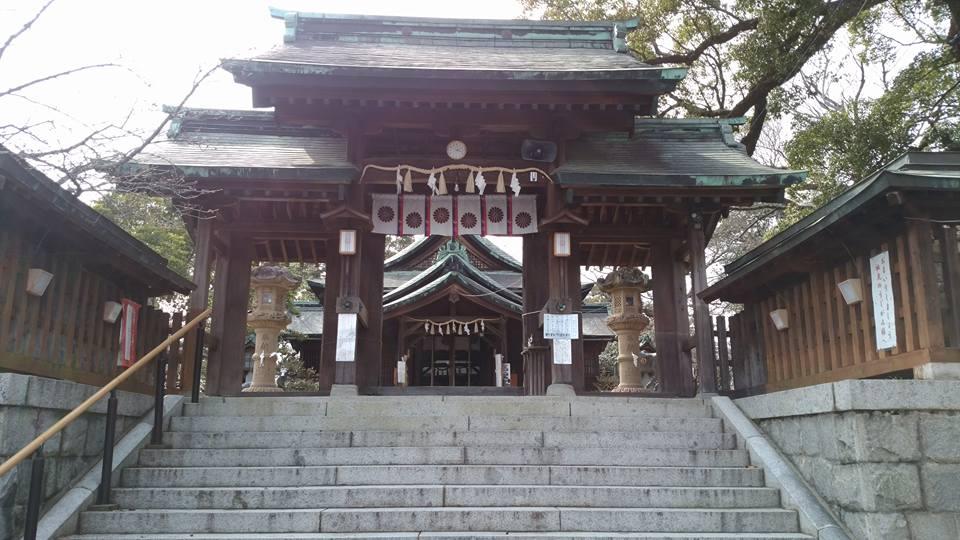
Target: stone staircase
[[444, 467]]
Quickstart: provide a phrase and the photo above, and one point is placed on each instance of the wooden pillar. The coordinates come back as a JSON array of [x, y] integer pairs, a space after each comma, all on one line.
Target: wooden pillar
[[671, 325], [703, 326], [230, 300], [328, 348], [536, 375], [927, 292], [354, 281], [563, 286], [370, 291], [199, 298]]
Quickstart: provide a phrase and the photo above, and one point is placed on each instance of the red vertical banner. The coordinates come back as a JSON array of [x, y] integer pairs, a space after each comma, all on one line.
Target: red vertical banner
[[129, 316]]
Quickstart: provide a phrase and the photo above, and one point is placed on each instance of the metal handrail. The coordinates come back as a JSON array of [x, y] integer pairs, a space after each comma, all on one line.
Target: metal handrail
[[35, 444]]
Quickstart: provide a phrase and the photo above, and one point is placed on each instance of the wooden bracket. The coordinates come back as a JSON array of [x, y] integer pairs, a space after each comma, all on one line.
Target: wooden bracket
[[353, 304]]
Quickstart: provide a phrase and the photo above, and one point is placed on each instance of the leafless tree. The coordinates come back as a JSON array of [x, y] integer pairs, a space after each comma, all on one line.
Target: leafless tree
[[94, 156]]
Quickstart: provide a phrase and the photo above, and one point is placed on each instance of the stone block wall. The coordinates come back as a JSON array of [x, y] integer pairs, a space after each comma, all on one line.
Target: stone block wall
[[884, 454], [28, 406]]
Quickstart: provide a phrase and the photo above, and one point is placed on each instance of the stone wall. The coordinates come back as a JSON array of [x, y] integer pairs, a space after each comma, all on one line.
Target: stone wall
[[28, 406], [884, 454]]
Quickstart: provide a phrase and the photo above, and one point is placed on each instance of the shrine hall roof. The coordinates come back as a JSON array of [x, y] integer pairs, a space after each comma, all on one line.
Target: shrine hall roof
[[669, 152], [357, 45]]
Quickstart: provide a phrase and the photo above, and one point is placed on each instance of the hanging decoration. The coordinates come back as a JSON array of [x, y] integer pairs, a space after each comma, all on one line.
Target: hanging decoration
[[480, 182], [471, 186], [442, 185], [454, 327], [454, 215], [501, 188]]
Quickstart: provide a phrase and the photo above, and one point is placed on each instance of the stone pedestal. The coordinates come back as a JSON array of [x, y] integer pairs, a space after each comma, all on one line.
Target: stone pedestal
[[624, 285], [270, 284]]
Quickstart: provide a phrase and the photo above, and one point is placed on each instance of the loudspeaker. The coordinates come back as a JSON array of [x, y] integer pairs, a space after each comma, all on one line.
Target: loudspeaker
[[532, 150]]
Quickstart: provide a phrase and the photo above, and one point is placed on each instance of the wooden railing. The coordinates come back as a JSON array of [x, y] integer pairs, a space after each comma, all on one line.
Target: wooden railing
[[828, 340], [62, 334]]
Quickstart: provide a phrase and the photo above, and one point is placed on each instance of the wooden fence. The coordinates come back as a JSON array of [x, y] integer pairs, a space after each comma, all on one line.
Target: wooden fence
[[62, 333], [828, 340]]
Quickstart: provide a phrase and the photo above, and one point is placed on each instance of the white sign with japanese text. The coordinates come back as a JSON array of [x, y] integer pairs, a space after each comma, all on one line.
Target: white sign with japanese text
[[346, 337], [884, 317], [562, 352], [561, 326]]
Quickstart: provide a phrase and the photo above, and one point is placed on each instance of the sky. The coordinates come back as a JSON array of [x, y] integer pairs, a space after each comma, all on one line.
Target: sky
[[160, 48]]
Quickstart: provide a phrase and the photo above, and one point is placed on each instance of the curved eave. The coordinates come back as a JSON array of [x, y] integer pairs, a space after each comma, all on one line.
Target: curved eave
[[410, 252], [243, 68], [444, 266], [619, 179], [322, 175], [495, 252], [444, 283]]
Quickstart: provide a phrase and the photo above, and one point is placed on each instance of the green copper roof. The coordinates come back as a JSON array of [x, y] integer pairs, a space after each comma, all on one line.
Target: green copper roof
[[451, 258], [329, 45], [927, 171], [669, 152]]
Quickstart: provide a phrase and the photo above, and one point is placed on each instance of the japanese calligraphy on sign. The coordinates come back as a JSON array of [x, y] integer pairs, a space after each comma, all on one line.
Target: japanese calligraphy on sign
[[561, 326], [562, 352], [884, 317]]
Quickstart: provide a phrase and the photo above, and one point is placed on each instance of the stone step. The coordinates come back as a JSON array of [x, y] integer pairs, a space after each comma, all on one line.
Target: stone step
[[533, 519], [441, 455], [551, 424], [335, 439], [454, 535], [439, 495], [449, 406], [442, 474], [552, 519]]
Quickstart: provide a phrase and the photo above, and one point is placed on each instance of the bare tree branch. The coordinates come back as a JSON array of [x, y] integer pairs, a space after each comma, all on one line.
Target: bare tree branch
[[12, 37]]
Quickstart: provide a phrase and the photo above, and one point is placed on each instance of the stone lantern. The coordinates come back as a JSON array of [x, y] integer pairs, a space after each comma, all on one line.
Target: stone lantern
[[270, 284], [624, 285]]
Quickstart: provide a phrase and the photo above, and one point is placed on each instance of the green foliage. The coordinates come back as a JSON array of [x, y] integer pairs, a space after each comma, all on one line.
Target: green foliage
[[609, 376], [396, 244], [155, 222], [294, 376], [920, 110]]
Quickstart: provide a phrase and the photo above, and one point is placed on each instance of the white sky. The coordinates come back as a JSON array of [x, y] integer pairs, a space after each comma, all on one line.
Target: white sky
[[162, 46]]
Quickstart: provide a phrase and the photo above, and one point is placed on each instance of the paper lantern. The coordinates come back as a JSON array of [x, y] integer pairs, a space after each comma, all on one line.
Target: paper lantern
[[780, 318], [348, 242], [37, 281], [851, 290], [561, 244], [111, 310]]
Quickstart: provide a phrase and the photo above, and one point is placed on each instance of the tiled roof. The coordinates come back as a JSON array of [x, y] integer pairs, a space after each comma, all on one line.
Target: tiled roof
[[578, 63], [249, 151], [325, 45], [673, 152]]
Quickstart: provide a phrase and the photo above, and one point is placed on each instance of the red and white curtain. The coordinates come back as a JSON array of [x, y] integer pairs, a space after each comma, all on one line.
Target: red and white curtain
[[129, 315], [454, 215]]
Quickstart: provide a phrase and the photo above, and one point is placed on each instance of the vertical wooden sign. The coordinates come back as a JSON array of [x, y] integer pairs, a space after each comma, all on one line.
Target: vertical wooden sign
[[884, 317], [346, 337]]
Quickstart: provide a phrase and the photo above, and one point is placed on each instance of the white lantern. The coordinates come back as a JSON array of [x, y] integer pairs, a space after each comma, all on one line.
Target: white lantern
[[780, 318], [561, 244], [851, 290], [111, 310], [37, 281], [348, 242]]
